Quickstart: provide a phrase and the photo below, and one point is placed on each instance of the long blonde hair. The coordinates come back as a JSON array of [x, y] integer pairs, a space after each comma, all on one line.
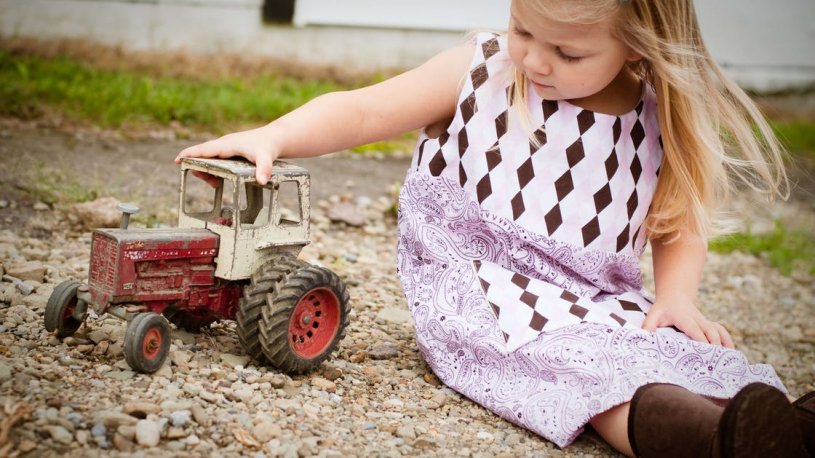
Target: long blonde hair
[[711, 130]]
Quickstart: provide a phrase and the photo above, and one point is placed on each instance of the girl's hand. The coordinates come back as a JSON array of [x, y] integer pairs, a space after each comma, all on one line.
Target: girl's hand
[[254, 145], [683, 314]]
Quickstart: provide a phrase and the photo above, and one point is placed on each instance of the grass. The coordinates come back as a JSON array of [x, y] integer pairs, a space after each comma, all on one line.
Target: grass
[[115, 98], [797, 136], [785, 249], [50, 185]]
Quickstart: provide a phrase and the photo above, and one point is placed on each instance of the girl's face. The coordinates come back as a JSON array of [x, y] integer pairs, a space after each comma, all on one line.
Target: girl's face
[[565, 61]]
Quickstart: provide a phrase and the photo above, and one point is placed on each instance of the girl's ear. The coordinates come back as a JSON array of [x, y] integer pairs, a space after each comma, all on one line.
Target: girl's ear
[[633, 56]]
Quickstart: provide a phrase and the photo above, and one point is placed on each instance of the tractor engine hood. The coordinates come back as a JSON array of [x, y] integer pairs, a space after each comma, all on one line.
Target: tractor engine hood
[[121, 259]]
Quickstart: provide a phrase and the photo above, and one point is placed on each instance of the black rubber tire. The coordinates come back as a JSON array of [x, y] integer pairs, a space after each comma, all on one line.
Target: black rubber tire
[[59, 307], [255, 299], [187, 321], [276, 319], [147, 342]]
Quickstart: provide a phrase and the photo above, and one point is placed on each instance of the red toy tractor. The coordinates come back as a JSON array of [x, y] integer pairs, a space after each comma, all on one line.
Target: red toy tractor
[[233, 256]]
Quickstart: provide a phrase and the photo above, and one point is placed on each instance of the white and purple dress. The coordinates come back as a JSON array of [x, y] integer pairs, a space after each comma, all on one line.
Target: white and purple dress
[[520, 259]]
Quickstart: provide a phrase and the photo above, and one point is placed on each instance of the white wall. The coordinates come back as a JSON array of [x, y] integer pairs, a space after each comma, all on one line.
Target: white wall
[[765, 45]]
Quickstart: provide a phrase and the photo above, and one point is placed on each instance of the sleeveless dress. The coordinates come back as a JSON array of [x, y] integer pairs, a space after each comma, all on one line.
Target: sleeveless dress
[[520, 259]]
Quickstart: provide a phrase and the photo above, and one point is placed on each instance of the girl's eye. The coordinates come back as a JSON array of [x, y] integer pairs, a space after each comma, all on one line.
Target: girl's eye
[[565, 56], [521, 33]]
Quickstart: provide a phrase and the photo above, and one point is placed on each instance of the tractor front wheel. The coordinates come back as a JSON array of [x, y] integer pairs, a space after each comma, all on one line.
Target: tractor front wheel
[[60, 308], [147, 342], [305, 319]]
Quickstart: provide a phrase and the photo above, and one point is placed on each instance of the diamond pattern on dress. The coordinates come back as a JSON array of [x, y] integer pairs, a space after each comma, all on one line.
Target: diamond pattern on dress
[[637, 134], [518, 206], [564, 185], [591, 231], [553, 219], [489, 48], [479, 75], [468, 108], [612, 164], [483, 188], [501, 124], [622, 239], [529, 299], [585, 120], [550, 107], [602, 198], [437, 164]]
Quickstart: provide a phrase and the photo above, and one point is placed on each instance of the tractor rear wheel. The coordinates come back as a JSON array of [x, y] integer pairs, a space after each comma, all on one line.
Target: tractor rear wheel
[[305, 319], [147, 342], [255, 298], [60, 308]]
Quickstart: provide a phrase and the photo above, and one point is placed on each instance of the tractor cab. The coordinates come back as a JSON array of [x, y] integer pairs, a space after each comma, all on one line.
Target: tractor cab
[[253, 221]]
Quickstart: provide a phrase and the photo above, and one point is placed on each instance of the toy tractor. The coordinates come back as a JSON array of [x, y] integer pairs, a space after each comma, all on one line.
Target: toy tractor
[[233, 256]]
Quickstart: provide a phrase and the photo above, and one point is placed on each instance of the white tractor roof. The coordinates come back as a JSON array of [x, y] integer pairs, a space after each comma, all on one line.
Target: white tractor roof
[[242, 168]]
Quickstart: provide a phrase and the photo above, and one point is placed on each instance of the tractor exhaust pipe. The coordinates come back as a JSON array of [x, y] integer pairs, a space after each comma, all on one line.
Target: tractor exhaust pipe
[[127, 210]]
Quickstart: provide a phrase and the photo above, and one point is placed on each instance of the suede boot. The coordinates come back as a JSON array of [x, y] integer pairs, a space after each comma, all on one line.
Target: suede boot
[[805, 412], [668, 421]]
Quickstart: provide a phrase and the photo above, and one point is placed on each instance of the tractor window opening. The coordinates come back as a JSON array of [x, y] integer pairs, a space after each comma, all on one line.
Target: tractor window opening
[[255, 203], [289, 210], [209, 198]]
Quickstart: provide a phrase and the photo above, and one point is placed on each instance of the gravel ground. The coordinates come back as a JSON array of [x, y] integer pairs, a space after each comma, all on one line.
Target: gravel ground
[[374, 397]]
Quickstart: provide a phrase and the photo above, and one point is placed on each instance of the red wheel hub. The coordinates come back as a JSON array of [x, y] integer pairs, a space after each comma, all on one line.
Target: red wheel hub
[[151, 345], [69, 311], [314, 322]]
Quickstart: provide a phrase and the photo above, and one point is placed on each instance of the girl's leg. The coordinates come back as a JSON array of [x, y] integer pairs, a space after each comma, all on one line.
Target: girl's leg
[[612, 425]]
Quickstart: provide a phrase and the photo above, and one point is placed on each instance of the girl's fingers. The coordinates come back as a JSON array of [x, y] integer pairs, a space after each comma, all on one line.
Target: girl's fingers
[[727, 341], [692, 329], [711, 333]]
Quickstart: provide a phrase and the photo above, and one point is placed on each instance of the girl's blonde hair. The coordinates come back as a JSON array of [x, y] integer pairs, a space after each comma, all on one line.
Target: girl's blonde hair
[[711, 130]]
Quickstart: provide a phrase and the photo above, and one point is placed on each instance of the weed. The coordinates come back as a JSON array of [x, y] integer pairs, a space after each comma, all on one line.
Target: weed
[[784, 249]]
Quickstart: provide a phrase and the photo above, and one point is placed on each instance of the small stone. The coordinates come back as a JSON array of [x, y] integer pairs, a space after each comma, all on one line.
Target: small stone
[[484, 436], [174, 432], [97, 336], [384, 350], [82, 437], [5, 372], [392, 315], [122, 444], [180, 418], [41, 206], [192, 439], [102, 212], [346, 212], [234, 360], [31, 270], [128, 431], [24, 288], [113, 420], [331, 373], [60, 434], [148, 433], [266, 431], [98, 430], [199, 415], [26, 445], [323, 384], [140, 409], [368, 426]]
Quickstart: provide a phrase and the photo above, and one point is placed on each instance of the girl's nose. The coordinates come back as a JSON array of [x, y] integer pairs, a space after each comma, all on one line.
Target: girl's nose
[[537, 62]]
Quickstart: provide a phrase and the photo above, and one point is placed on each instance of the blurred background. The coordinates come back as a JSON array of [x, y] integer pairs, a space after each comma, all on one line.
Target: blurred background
[[767, 46]]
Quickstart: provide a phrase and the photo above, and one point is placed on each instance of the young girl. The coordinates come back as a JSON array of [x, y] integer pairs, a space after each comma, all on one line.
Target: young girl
[[549, 157]]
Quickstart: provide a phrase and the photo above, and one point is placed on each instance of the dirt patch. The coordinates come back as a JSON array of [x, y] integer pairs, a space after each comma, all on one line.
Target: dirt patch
[[41, 164]]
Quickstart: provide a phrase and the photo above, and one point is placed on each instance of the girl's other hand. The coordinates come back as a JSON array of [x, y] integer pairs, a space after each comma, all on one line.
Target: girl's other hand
[[683, 314], [254, 145]]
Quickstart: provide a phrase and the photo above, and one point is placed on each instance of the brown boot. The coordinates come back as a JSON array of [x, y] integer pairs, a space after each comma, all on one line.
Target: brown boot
[[805, 411], [668, 421]]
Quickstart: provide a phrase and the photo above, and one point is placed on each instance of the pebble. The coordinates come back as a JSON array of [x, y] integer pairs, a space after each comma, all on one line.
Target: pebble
[[383, 350], [180, 418], [148, 433], [60, 434]]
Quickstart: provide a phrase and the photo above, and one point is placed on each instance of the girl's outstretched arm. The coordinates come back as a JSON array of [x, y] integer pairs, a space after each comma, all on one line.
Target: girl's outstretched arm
[[677, 273], [340, 120]]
